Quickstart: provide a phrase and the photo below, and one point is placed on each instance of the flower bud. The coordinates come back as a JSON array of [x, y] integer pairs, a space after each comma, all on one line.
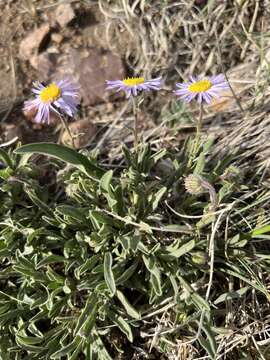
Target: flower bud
[[232, 173], [193, 184]]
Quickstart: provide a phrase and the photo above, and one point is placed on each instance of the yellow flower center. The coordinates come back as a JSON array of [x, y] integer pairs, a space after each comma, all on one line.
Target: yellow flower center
[[133, 81], [51, 93], [200, 86]]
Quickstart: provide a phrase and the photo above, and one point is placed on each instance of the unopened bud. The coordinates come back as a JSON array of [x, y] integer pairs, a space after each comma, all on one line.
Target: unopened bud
[[193, 184], [231, 173]]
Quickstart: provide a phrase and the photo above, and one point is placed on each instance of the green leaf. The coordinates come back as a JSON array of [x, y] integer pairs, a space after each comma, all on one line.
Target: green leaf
[[158, 155], [208, 144], [108, 274], [200, 164], [28, 343], [131, 311], [66, 350], [37, 200], [29, 340], [130, 240], [51, 259], [174, 228], [128, 273], [73, 212], [158, 196], [239, 240], [6, 158], [156, 282], [87, 266], [89, 322], [88, 311], [65, 154], [76, 352], [127, 155], [105, 181], [155, 278], [100, 347], [177, 252], [194, 296], [122, 324], [231, 295], [101, 218], [252, 282], [261, 230], [6, 173], [207, 346]]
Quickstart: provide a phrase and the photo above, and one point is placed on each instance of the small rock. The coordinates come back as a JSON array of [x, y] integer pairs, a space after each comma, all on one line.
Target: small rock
[[93, 71], [11, 131], [90, 71], [226, 101], [64, 14], [52, 50], [45, 64], [58, 38], [31, 44], [82, 132]]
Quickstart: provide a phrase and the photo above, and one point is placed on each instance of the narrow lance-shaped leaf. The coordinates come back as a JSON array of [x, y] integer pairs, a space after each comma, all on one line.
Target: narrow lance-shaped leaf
[[129, 308], [155, 278], [121, 323], [185, 248], [105, 181], [65, 154], [89, 307], [5, 158], [67, 349], [108, 274]]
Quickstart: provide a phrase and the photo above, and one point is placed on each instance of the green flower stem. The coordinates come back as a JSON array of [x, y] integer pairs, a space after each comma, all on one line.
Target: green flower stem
[[135, 112], [196, 144], [199, 129], [212, 192], [65, 124], [199, 123]]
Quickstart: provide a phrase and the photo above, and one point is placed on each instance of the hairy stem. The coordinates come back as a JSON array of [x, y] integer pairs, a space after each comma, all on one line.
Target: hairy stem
[[65, 124], [212, 192], [199, 122], [198, 133], [135, 112]]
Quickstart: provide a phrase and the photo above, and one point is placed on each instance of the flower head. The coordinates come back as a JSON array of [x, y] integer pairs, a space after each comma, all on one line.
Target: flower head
[[59, 96], [131, 86], [193, 184], [202, 88]]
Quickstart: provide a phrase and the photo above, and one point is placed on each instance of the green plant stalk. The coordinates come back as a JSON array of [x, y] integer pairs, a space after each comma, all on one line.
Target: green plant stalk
[[136, 130], [65, 124], [199, 128], [196, 143], [212, 192]]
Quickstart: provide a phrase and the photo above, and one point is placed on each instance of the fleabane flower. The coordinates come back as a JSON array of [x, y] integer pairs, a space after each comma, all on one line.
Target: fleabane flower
[[60, 97], [131, 86], [202, 88]]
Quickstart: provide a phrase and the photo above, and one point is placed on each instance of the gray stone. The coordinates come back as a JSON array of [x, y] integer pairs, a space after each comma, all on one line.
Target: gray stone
[[30, 45], [64, 14]]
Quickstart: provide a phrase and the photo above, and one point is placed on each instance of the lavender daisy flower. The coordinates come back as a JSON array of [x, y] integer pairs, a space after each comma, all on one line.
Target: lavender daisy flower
[[59, 96], [202, 88], [131, 86]]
